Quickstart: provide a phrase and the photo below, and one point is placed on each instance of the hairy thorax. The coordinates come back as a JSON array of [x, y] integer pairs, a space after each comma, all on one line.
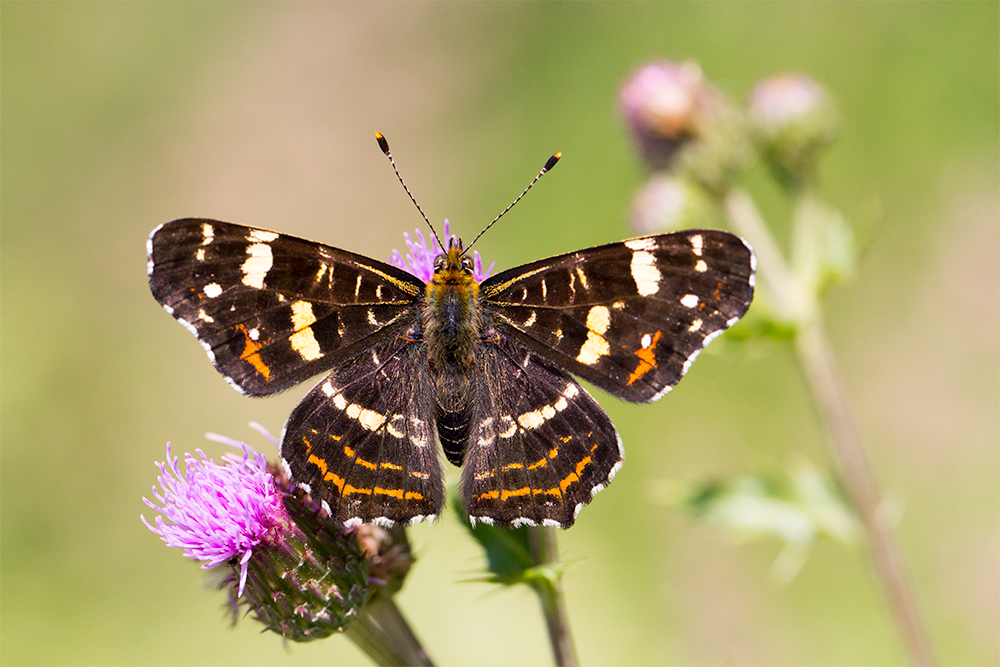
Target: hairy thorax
[[452, 319]]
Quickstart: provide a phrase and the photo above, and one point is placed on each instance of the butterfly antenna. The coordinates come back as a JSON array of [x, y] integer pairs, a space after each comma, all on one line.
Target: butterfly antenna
[[384, 145], [551, 162]]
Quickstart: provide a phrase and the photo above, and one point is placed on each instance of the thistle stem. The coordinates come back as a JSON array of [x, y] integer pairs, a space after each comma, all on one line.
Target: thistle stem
[[830, 396], [843, 436], [544, 551], [384, 635]]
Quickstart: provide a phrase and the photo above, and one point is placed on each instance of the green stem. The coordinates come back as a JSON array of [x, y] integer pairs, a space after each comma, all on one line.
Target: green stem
[[549, 589], [845, 444], [773, 274], [383, 634]]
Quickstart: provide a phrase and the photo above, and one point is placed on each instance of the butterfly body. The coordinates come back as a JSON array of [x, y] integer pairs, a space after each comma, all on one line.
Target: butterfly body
[[483, 367], [452, 328]]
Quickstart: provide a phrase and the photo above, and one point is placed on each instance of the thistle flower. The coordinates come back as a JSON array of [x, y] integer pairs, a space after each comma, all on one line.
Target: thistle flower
[[217, 512], [420, 260], [660, 104], [681, 122], [792, 120], [297, 573]]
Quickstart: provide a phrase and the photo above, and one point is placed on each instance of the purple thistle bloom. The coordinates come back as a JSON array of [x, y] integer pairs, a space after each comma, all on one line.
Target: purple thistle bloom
[[661, 104], [218, 512], [420, 260], [293, 570]]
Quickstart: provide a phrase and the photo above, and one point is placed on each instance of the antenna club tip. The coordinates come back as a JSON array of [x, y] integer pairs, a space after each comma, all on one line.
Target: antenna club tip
[[552, 161], [382, 143]]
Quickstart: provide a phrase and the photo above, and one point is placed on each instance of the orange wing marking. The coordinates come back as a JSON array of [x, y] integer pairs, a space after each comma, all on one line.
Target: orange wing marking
[[647, 359], [250, 354], [504, 495], [327, 476], [318, 462], [574, 476], [337, 481]]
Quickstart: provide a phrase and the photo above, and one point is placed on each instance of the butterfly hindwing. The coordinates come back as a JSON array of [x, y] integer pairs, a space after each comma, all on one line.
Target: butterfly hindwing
[[630, 316], [540, 447], [362, 440], [273, 310]]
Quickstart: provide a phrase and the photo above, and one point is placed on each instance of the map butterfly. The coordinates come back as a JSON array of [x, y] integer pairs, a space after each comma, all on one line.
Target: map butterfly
[[482, 367]]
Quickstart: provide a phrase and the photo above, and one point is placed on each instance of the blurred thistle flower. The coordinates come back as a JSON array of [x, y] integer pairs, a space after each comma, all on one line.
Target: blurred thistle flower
[[680, 121], [296, 572], [420, 260], [792, 120], [659, 103], [668, 203]]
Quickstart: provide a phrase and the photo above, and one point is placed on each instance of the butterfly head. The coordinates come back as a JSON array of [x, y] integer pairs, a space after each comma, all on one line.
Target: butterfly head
[[454, 266]]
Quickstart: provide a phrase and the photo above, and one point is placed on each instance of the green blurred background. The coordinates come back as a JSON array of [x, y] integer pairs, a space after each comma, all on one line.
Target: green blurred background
[[119, 116]]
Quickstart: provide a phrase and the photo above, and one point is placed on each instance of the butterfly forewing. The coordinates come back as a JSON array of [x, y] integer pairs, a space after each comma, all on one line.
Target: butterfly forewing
[[631, 316], [270, 309]]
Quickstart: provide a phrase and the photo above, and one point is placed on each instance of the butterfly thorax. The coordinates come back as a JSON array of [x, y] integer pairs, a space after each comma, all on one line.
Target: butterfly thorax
[[451, 327]]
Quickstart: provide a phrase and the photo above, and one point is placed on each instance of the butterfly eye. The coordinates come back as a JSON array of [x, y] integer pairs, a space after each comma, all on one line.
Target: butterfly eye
[[467, 264], [439, 262]]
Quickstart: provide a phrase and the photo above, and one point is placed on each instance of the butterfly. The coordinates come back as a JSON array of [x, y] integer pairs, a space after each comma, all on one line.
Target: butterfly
[[482, 367]]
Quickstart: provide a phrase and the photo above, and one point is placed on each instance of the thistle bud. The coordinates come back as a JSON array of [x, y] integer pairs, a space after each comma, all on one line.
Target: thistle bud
[[389, 556], [681, 122], [660, 103], [792, 120], [309, 584]]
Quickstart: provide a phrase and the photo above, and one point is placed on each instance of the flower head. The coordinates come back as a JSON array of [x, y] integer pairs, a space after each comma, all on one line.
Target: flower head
[[662, 97], [660, 104], [681, 122], [792, 120], [298, 573], [217, 512], [420, 260]]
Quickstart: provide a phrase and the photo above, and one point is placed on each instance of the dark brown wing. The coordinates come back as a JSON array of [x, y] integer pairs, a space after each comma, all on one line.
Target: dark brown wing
[[270, 309], [632, 316], [362, 441], [540, 447]]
